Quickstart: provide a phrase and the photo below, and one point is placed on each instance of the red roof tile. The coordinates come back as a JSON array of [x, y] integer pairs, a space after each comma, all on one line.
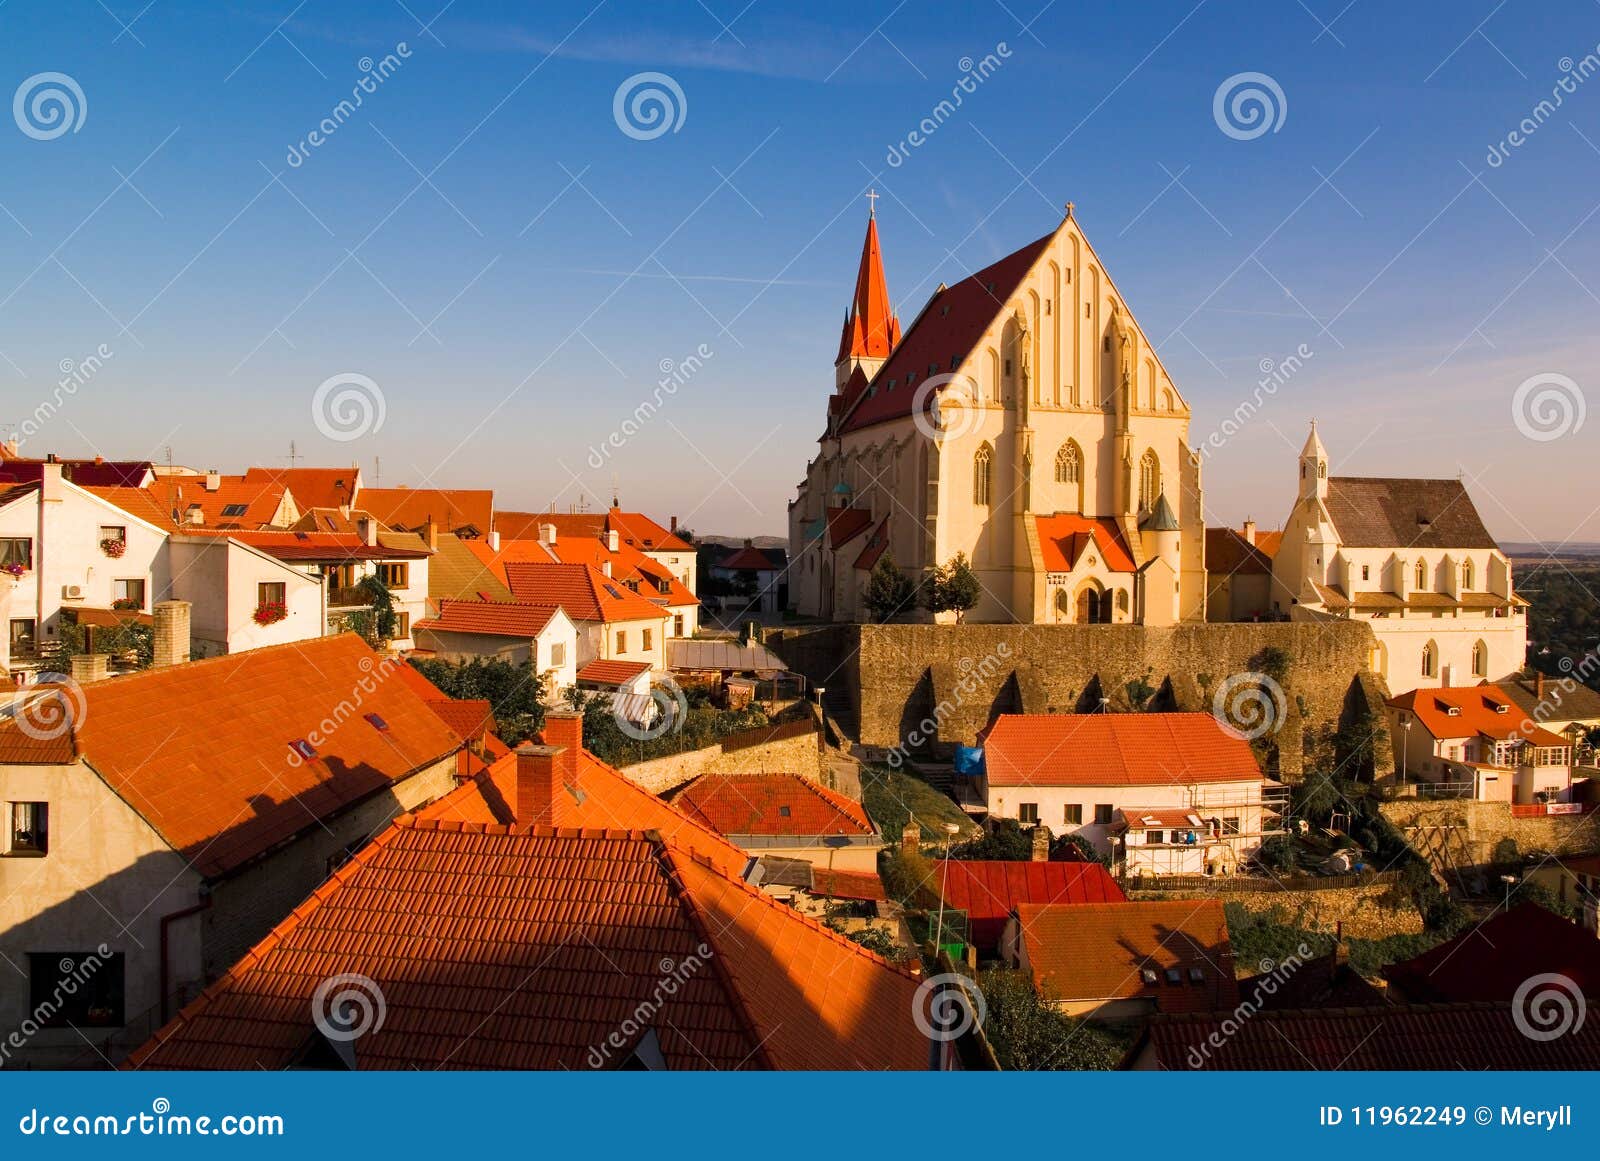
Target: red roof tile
[[877, 544], [837, 884], [870, 327], [1229, 553], [747, 559], [556, 942], [1144, 749], [586, 593], [95, 473], [450, 509], [1100, 951], [988, 890], [470, 719], [310, 487], [1478, 713], [490, 618], [1064, 537], [635, 529], [1491, 960], [771, 804], [38, 730], [612, 672], [845, 524]]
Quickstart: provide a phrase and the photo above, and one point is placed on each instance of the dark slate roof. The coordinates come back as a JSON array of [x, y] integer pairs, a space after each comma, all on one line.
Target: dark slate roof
[[1229, 554], [1578, 703], [1382, 513], [1493, 960]]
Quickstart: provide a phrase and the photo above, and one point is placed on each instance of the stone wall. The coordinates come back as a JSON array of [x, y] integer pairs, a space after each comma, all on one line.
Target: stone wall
[[1485, 824], [1370, 912], [897, 677], [800, 755]]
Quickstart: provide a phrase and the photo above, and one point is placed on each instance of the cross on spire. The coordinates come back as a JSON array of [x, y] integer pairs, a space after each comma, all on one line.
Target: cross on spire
[[872, 203]]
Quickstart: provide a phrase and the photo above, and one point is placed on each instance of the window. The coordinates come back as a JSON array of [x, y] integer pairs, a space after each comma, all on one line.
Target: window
[[1196, 976], [1174, 976], [558, 653], [622, 641], [1430, 660], [1102, 813], [1072, 814], [1148, 975], [1422, 576], [271, 593], [116, 532], [1149, 481], [783, 812], [402, 626], [396, 575], [677, 625], [1466, 574], [1155, 838], [303, 749], [23, 642], [16, 551], [233, 511], [983, 476], [1028, 813], [341, 576], [75, 989], [1366, 572], [30, 828], [1230, 825], [649, 640], [1069, 464], [128, 594], [1480, 660]]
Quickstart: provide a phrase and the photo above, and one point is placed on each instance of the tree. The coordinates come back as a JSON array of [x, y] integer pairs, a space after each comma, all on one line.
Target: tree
[[1004, 840], [889, 591], [954, 588], [514, 691], [1028, 1033]]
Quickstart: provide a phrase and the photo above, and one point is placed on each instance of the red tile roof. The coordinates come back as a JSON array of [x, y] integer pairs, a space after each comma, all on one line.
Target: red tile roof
[[95, 473], [612, 672], [1099, 951], [877, 544], [989, 889], [771, 804], [470, 719], [747, 559], [316, 546], [558, 940], [140, 503], [450, 509], [1491, 960], [1478, 714], [1141, 749], [37, 730], [634, 528], [948, 328], [1421, 1038], [202, 750], [1064, 537], [586, 593], [838, 884], [310, 487], [845, 524], [174, 496], [489, 618], [871, 328], [645, 575], [1229, 553]]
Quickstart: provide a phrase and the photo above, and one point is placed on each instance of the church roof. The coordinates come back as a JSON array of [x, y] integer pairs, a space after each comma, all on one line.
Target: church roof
[[1064, 537], [845, 524], [871, 329], [1388, 513], [940, 338], [1160, 518], [876, 544]]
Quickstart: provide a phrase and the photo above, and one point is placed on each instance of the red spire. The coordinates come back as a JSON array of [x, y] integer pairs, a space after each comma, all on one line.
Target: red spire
[[870, 328]]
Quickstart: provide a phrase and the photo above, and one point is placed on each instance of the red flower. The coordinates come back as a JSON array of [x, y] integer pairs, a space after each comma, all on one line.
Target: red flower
[[270, 612]]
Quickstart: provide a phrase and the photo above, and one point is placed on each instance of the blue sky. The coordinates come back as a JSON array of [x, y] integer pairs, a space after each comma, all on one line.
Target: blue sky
[[483, 241]]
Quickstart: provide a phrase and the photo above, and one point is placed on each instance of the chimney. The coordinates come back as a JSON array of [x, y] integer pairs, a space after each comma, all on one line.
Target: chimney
[[194, 514], [1041, 843], [50, 479], [911, 838], [1538, 685], [171, 633], [87, 667], [367, 529], [613, 541], [605, 567], [494, 541], [538, 785], [430, 534], [674, 528], [749, 543], [547, 534], [213, 479], [1248, 532], [563, 729]]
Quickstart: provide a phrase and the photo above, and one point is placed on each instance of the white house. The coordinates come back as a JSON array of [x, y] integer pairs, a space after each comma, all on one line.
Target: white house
[[512, 631], [1477, 741], [241, 596], [1175, 793]]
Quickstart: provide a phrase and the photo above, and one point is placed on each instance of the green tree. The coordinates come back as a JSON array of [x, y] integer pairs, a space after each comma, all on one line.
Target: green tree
[[1028, 1033], [1004, 840], [514, 691], [889, 591], [953, 588]]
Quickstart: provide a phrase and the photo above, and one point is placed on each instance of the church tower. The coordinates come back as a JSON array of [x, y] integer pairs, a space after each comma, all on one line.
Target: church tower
[[871, 329], [1313, 467]]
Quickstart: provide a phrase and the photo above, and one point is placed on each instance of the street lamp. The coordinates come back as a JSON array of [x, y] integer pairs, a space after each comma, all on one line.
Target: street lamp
[[1405, 750], [950, 830], [1508, 880]]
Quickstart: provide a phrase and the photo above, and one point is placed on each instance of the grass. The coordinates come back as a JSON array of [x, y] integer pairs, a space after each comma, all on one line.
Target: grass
[[891, 797]]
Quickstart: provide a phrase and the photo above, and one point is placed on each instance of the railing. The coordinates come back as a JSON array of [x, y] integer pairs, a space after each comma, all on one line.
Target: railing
[[349, 597]]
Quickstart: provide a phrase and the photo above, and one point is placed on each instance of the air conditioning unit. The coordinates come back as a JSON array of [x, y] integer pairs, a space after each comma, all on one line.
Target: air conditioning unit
[[72, 592]]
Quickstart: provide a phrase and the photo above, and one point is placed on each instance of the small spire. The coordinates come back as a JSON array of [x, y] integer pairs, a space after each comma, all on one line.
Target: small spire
[[1069, 210], [872, 203]]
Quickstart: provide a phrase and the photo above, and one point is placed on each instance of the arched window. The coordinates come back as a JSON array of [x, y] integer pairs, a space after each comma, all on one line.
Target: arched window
[[1422, 575], [1149, 481], [1466, 574], [983, 476], [1122, 600], [1480, 660], [1063, 605], [1430, 660], [1069, 464]]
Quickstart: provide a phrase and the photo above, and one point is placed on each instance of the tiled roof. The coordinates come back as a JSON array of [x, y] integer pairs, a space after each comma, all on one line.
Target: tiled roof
[[1230, 554], [991, 888], [1269, 542], [612, 672], [141, 503], [1390, 513], [1064, 537], [203, 750], [948, 328], [748, 559], [320, 546], [1577, 703], [586, 593], [490, 618], [771, 804], [456, 571], [258, 500], [1477, 713], [634, 528], [1443, 1038], [450, 509], [310, 487], [877, 544], [470, 719], [836, 884], [845, 524], [47, 740], [1100, 951], [871, 328], [95, 473], [1141, 749], [557, 940], [1491, 960], [11, 493], [1158, 818], [628, 564]]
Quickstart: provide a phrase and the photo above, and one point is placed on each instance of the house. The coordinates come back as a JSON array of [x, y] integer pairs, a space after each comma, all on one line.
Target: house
[[1563, 705], [787, 815], [1492, 961], [16, 468], [1020, 395], [465, 513], [634, 530], [244, 597], [1239, 573], [161, 823], [1444, 1038], [987, 891], [614, 623], [513, 631], [1161, 793], [758, 574], [1473, 741], [1125, 961], [538, 974], [1576, 880], [1410, 558]]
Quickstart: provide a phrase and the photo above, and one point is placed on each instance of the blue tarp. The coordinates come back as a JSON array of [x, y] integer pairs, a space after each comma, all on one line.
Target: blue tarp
[[969, 761]]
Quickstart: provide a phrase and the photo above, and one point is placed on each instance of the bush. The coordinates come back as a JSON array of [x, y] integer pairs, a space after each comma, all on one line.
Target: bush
[[513, 691], [1028, 1033]]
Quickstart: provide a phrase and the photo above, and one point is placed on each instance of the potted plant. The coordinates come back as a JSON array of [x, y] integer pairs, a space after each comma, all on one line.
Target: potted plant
[[127, 603], [114, 547], [15, 570], [270, 612]]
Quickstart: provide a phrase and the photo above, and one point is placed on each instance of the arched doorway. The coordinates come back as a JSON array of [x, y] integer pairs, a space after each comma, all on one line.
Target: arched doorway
[[1094, 605]]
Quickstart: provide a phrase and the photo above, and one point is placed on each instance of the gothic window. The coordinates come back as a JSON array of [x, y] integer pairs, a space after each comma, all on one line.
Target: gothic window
[[1466, 574], [1069, 464], [983, 476], [1430, 660], [1149, 481], [1422, 575], [1480, 660]]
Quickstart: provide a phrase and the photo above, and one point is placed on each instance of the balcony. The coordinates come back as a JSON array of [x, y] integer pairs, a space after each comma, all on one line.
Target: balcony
[[349, 597]]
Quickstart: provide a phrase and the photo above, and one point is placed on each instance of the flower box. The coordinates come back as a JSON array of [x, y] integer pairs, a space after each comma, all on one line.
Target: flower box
[[114, 547], [270, 612]]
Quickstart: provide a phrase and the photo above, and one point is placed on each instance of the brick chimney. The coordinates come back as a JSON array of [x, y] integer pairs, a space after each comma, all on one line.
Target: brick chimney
[[674, 525], [367, 530], [1248, 532], [1538, 685], [539, 793], [911, 838], [87, 667], [1041, 844], [430, 534], [547, 534], [171, 633], [564, 730], [613, 540]]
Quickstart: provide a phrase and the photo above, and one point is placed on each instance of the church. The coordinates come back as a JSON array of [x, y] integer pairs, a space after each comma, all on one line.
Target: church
[[1022, 419]]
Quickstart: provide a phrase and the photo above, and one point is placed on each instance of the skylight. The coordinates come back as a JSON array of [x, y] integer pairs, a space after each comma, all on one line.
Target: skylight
[[377, 722], [303, 748]]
